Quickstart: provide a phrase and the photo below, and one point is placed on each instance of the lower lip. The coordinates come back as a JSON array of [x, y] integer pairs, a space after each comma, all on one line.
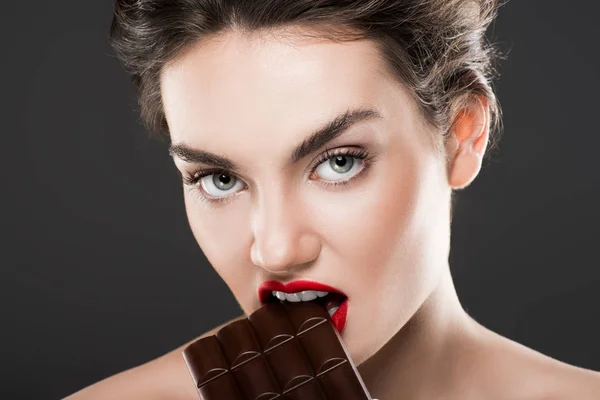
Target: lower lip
[[339, 317]]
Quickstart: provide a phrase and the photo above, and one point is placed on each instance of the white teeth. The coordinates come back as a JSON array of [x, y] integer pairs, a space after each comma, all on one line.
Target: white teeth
[[308, 295], [293, 297], [332, 311], [305, 295], [279, 295]]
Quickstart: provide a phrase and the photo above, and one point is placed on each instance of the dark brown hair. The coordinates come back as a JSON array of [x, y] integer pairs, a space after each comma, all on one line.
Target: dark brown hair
[[436, 48]]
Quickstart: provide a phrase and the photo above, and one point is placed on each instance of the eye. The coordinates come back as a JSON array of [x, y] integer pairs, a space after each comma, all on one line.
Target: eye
[[220, 184], [335, 167], [338, 168]]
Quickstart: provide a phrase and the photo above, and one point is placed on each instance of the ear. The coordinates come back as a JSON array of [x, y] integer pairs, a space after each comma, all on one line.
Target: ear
[[467, 143]]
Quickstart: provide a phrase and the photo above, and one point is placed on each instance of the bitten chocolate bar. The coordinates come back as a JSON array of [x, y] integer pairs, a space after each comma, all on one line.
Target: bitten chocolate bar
[[282, 351]]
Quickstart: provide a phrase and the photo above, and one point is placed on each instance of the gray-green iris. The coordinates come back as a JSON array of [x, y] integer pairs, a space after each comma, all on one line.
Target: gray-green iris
[[223, 181], [341, 164]]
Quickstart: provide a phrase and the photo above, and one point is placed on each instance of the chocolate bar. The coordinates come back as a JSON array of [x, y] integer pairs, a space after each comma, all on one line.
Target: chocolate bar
[[282, 351]]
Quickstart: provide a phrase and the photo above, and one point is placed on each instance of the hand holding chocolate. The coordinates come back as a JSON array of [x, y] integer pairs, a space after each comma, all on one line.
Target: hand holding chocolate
[[282, 351]]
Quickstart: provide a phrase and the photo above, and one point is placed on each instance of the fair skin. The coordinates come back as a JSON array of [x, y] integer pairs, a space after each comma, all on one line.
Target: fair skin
[[383, 239]]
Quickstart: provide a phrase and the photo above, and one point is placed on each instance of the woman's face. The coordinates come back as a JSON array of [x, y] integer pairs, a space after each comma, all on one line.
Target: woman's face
[[377, 228]]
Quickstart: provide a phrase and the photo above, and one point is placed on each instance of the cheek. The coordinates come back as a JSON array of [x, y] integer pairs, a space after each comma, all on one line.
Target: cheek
[[222, 234], [368, 225]]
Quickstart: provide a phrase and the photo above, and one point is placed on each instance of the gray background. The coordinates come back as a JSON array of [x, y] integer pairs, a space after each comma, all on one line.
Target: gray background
[[100, 271]]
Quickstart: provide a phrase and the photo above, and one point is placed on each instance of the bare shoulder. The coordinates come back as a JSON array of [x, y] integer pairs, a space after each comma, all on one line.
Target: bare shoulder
[[571, 382], [165, 377], [530, 375]]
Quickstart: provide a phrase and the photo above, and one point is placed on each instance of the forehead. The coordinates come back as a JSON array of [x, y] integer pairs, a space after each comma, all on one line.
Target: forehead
[[265, 91]]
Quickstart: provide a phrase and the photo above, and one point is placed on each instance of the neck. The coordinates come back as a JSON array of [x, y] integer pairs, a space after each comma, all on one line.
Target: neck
[[417, 363]]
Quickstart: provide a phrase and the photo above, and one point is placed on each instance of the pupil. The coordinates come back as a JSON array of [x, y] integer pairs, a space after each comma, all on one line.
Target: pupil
[[224, 178], [340, 161]]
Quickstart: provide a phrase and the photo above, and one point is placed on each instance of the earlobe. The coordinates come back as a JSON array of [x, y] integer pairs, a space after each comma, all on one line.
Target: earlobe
[[467, 143]]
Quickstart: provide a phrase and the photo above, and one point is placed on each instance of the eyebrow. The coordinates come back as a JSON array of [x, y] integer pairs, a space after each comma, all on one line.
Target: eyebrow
[[323, 135]]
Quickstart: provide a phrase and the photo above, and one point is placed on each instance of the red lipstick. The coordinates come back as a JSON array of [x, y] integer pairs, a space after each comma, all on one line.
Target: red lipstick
[[338, 318]]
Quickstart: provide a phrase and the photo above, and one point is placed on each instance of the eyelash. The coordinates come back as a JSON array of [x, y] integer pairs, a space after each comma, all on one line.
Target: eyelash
[[361, 154]]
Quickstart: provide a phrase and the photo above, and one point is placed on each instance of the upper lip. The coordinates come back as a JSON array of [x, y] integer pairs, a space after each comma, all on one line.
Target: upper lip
[[265, 289]]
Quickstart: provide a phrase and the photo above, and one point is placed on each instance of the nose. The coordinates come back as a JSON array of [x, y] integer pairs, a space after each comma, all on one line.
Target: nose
[[282, 242]]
